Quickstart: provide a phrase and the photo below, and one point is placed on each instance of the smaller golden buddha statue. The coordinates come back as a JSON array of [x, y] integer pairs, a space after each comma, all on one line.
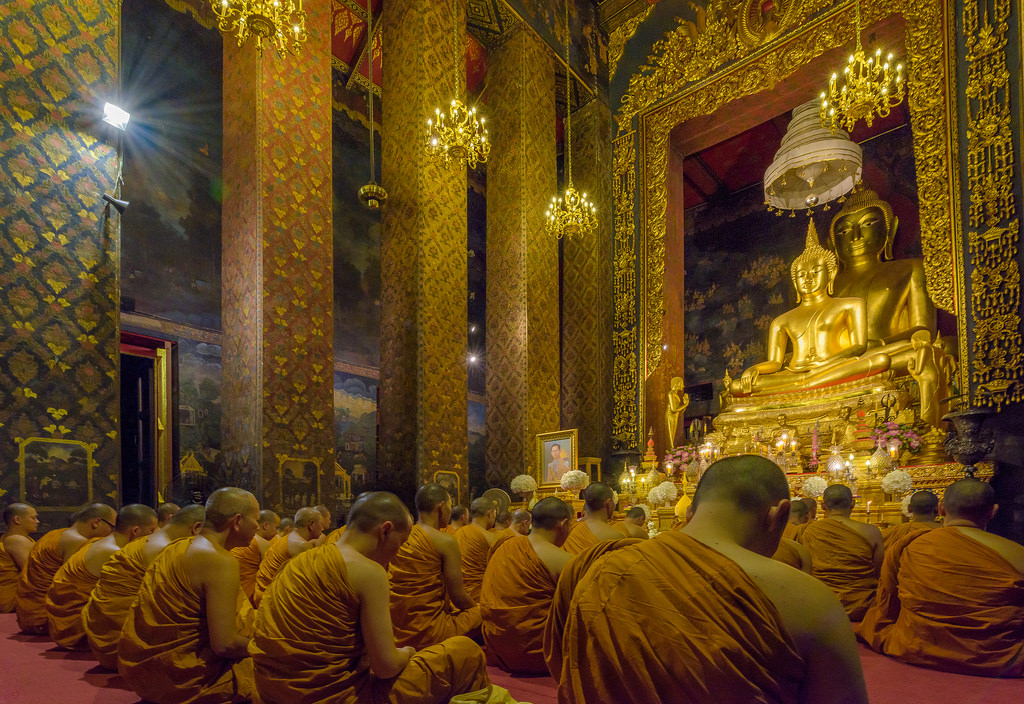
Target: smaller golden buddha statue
[[828, 335], [676, 406]]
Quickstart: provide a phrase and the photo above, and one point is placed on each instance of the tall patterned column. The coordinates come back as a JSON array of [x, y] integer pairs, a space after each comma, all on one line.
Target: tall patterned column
[[278, 390], [59, 288], [587, 291], [422, 405], [522, 259]]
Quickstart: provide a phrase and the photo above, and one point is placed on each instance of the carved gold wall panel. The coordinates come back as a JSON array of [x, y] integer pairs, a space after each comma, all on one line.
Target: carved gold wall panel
[[625, 378], [522, 260]]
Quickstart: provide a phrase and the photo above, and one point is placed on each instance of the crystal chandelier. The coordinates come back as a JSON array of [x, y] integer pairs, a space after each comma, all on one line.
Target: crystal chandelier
[[280, 22], [571, 214], [870, 87], [458, 134]]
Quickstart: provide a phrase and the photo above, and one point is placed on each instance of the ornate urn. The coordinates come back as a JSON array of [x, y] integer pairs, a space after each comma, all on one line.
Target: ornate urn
[[971, 442]]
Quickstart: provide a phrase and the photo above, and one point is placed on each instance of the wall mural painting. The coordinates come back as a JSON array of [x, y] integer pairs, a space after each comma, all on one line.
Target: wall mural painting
[[56, 473], [588, 53], [737, 276], [355, 428], [477, 465], [171, 233], [199, 407]]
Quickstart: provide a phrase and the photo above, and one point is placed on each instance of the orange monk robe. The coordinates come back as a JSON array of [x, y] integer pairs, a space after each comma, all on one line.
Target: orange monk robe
[[894, 534], [788, 554], [67, 596], [421, 613], [335, 534], [580, 538], [449, 529], [947, 602], [790, 531], [249, 559], [311, 601], [842, 558], [43, 562], [111, 599], [9, 575], [164, 652], [474, 548], [719, 637], [514, 603], [273, 560]]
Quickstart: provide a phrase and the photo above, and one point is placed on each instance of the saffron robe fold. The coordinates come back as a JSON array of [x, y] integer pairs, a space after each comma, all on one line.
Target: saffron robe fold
[[704, 631], [790, 531], [894, 534], [421, 612], [514, 603], [43, 562], [843, 559], [474, 548], [249, 559], [787, 554], [312, 602], [111, 599], [9, 575], [449, 529], [335, 534], [947, 602], [164, 653], [67, 596], [580, 538], [273, 560]]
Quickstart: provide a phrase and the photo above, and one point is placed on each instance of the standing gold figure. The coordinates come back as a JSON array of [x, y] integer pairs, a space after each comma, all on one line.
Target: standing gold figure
[[676, 406]]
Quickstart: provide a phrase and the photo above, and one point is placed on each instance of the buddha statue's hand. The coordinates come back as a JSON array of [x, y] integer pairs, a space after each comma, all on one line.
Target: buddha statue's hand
[[748, 379]]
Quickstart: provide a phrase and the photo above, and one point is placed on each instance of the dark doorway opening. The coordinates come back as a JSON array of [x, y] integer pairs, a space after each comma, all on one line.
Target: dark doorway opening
[[138, 422]]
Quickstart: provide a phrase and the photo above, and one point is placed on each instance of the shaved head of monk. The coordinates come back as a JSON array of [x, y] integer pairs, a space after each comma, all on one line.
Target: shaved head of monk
[[135, 521], [924, 505], [433, 499], [309, 522], [460, 515], [521, 521], [812, 507], [326, 513], [269, 522], [165, 511], [552, 515], [637, 516], [598, 500], [379, 523], [502, 520], [969, 500], [483, 512], [286, 526], [798, 513], [95, 521], [21, 518], [235, 513], [837, 499], [188, 521]]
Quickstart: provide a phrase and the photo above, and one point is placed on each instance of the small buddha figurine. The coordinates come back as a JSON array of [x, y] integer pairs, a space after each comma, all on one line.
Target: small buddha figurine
[[676, 406], [828, 335]]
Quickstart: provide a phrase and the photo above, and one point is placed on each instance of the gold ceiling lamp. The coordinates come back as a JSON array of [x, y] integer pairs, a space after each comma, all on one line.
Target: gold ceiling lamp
[[870, 87], [570, 215], [371, 195], [278, 22], [458, 134]]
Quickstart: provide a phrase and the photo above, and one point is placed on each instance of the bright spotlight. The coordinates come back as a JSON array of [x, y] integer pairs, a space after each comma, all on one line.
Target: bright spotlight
[[115, 116], [472, 359]]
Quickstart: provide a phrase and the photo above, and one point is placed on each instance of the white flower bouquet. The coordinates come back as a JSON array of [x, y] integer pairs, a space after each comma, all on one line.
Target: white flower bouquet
[[575, 480], [814, 487], [897, 482], [523, 484]]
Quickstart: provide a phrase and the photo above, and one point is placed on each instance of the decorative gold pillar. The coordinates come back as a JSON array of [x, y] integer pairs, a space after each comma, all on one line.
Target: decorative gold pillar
[[422, 405], [587, 291], [278, 388], [522, 259]]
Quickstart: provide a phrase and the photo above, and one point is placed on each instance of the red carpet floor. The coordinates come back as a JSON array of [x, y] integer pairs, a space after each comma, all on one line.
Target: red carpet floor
[[34, 671]]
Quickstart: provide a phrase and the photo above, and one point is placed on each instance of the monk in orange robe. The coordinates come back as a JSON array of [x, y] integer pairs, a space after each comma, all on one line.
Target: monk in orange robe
[[460, 517], [356, 659], [308, 534], [251, 556], [475, 541], [286, 527], [325, 513], [47, 556], [15, 545], [812, 515], [429, 603], [733, 626], [924, 510], [74, 581], [952, 598], [791, 552], [180, 643], [846, 554], [634, 525], [518, 588], [598, 509], [105, 612], [164, 513], [502, 521], [521, 522]]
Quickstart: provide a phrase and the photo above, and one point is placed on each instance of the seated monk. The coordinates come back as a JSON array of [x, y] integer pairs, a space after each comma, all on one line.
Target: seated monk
[[308, 534], [475, 541], [251, 556], [164, 513], [460, 517], [742, 627], [74, 581], [325, 513], [518, 588], [120, 579], [634, 525], [598, 509], [180, 643], [846, 554], [502, 521], [522, 521], [791, 552], [15, 544], [47, 556], [952, 598], [799, 515], [287, 526], [812, 515], [337, 597], [924, 510], [429, 604]]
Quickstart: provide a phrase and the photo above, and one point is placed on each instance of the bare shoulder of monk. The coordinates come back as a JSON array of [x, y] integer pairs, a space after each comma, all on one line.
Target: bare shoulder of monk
[[555, 559], [871, 533], [603, 531], [98, 554], [205, 563], [443, 542], [1010, 551]]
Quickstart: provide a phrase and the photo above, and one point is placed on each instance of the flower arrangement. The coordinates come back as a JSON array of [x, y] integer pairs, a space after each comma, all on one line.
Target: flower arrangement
[[901, 435], [897, 482], [680, 456], [905, 506], [575, 480], [814, 487], [663, 494], [615, 499], [523, 484]]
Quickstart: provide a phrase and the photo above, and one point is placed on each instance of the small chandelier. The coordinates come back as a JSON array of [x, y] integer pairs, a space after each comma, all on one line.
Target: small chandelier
[[570, 214], [371, 195], [280, 22], [457, 135], [870, 87]]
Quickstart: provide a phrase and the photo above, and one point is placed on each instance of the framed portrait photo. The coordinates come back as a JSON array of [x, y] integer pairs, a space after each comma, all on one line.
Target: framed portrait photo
[[556, 455]]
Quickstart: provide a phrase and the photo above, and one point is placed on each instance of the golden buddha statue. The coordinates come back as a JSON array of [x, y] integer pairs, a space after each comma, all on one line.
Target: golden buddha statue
[[828, 336], [676, 406]]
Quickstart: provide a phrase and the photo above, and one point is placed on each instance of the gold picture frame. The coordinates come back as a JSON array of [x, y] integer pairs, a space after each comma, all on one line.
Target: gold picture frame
[[451, 481], [55, 451], [296, 467], [549, 470]]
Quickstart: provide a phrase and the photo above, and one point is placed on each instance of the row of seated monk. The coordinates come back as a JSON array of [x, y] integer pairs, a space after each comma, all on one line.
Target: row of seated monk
[[386, 609]]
